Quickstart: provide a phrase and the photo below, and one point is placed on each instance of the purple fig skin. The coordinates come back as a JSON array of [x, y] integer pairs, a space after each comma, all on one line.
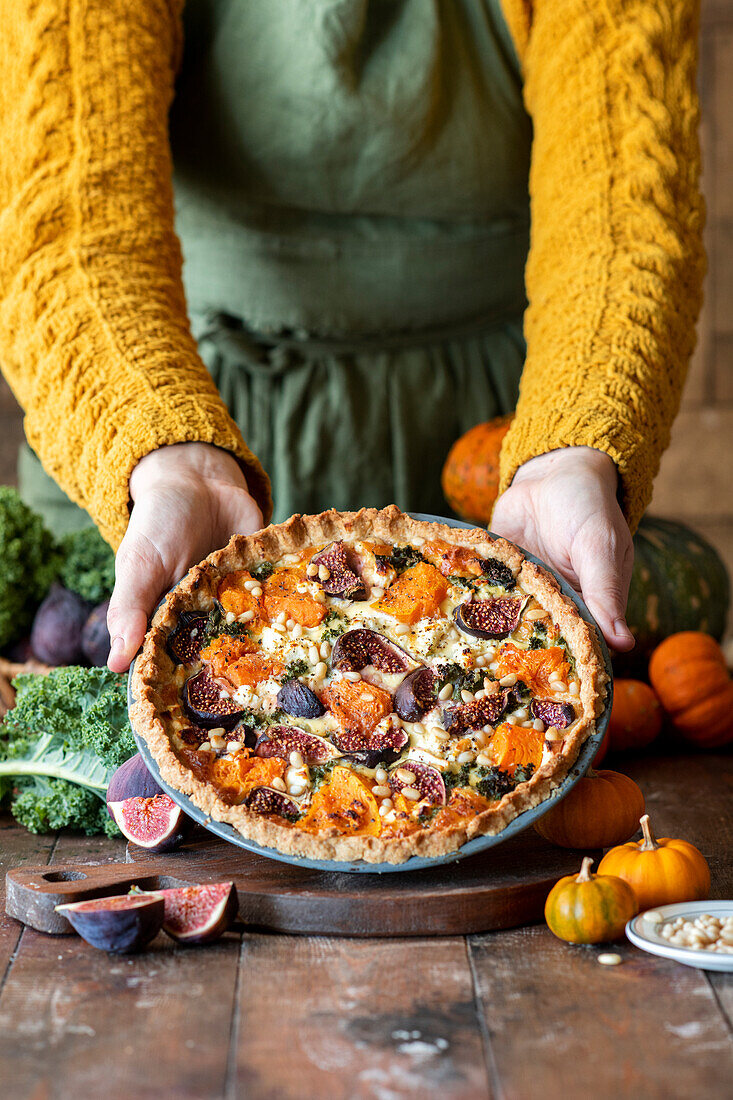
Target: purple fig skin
[[559, 715], [216, 922], [416, 695], [171, 836], [358, 648], [297, 699], [132, 780], [488, 618], [383, 748], [95, 636], [266, 800], [344, 580], [133, 922], [282, 740], [57, 628], [428, 781], [203, 703], [185, 642]]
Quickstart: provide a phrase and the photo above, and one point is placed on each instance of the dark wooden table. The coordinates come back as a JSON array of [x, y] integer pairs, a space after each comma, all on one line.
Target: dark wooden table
[[513, 1014]]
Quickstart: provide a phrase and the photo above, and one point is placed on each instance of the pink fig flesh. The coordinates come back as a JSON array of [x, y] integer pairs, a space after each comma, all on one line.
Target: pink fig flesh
[[121, 924], [199, 914], [156, 823]]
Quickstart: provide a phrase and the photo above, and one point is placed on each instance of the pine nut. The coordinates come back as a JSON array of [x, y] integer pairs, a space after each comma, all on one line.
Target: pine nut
[[574, 688], [296, 759], [250, 585], [538, 725], [483, 758], [466, 757], [404, 775], [508, 681], [247, 616], [367, 697], [511, 720], [216, 742], [384, 808], [320, 670], [522, 714], [204, 747], [609, 958], [297, 630], [296, 789], [257, 592], [313, 654], [278, 783], [402, 629], [380, 774], [230, 617], [481, 737], [290, 623], [442, 735], [324, 573], [281, 617], [535, 614], [552, 733], [319, 596], [325, 650], [467, 696], [559, 686], [233, 746], [354, 677], [412, 793], [311, 570], [377, 592], [419, 729], [480, 661], [418, 540], [445, 692], [279, 628], [381, 792]]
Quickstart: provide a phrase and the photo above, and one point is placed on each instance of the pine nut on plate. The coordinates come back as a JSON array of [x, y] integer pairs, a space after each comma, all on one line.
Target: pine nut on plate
[[695, 933]]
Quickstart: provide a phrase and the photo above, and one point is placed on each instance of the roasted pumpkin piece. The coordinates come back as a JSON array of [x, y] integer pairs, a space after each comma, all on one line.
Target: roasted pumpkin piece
[[515, 746], [416, 594], [463, 804], [234, 597], [451, 560], [235, 778], [357, 706], [281, 594], [535, 667], [239, 661], [346, 804]]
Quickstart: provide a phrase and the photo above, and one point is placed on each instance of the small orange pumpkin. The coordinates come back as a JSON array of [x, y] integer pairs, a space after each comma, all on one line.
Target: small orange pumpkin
[[471, 472], [589, 908], [602, 809], [689, 674], [636, 715], [659, 871]]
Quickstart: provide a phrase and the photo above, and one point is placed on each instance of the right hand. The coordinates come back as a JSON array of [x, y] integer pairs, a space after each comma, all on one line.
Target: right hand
[[188, 499]]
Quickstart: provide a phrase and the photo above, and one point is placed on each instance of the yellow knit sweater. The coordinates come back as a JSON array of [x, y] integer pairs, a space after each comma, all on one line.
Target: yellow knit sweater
[[94, 338]]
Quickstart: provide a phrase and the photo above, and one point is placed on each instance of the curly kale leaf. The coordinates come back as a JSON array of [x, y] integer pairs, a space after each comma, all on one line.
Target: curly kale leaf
[[262, 571], [333, 626], [523, 773], [89, 565], [217, 624], [498, 573], [401, 558], [462, 679], [295, 669], [30, 559], [494, 783], [460, 778]]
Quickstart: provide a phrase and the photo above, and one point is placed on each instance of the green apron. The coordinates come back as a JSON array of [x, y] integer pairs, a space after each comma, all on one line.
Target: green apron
[[352, 202]]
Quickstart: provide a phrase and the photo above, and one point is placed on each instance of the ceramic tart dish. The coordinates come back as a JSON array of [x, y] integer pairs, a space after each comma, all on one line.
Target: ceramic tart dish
[[367, 686]]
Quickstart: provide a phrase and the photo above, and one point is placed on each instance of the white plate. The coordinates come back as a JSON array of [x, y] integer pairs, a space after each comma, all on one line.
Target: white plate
[[645, 934]]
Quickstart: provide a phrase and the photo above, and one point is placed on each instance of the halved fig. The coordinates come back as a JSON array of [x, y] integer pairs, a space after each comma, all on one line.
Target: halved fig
[[121, 924], [488, 618], [416, 695], [199, 914], [428, 781], [156, 823], [343, 581], [131, 780], [358, 648], [475, 715], [378, 747], [282, 740], [497, 573], [266, 800], [559, 715], [296, 698], [207, 704], [185, 642]]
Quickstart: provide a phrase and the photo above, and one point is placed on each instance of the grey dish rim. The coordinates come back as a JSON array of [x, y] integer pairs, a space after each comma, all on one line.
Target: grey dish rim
[[415, 863]]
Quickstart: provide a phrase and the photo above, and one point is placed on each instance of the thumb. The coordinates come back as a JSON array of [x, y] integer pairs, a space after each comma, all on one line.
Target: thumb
[[603, 567], [140, 577]]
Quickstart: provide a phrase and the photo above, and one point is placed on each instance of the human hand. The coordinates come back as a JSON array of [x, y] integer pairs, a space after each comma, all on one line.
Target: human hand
[[188, 499], [562, 507]]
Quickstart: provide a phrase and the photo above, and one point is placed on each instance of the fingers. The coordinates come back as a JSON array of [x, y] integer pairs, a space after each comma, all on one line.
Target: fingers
[[603, 556], [140, 576]]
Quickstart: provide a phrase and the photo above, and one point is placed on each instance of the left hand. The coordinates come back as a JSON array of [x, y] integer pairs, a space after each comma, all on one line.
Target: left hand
[[562, 507]]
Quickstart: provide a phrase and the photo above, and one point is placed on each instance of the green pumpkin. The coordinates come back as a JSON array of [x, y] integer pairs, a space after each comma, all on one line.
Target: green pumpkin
[[679, 583]]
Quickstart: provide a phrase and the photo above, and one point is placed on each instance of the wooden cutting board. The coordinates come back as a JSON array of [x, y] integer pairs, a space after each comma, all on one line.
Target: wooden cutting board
[[504, 887]]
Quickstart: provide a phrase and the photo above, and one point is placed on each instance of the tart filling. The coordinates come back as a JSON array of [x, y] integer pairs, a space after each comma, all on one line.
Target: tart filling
[[363, 685]]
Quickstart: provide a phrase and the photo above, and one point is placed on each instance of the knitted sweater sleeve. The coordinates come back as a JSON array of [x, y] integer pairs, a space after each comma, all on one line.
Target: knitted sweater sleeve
[[94, 338], [615, 269]]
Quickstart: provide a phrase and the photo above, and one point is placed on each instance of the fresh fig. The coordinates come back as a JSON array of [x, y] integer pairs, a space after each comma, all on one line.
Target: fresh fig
[[156, 823], [343, 580], [378, 747], [497, 573], [266, 800], [186, 642], [559, 715], [58, 625], [199, 914], [475, 715], [296, 698], [282, 740], [132, 780], [428, 781], [95, 636], [358, 648], [124, 923], [208, 705], [416, 695], [488, 618]]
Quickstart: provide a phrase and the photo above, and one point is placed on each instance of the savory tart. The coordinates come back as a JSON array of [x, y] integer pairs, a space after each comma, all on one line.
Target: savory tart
[[366, 686]]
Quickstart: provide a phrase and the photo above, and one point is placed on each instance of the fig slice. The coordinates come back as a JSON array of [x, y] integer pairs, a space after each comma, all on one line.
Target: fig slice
[[199, 914], [131, 780], [207, 705], [428, 780], [488, 618], [282, 740], [416, 695], [497, 573], [297, 699], [186, 642], [378, 747], [559, 715], [121, 924], [155, 823], [475, 715], [343, 581], [358, 648], [266, 800]]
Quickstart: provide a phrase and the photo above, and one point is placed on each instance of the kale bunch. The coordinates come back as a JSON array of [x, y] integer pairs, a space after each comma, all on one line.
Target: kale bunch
[[30, 559], [59, 746], [89, 565]]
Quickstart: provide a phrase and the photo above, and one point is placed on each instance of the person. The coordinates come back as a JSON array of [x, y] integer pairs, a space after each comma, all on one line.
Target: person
[[368, 195]]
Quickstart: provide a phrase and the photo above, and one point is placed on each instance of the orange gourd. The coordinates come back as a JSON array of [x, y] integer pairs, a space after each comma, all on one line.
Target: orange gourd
[[470, 478], [636, 715], [602, 809], [659, 871], [588, 908], [689, 674]]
